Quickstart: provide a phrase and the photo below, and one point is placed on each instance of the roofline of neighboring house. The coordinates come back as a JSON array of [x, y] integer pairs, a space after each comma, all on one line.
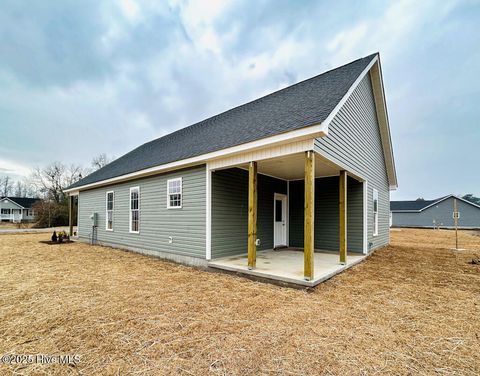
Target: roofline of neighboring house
[[311, 131], [16, 203], [435, 203]]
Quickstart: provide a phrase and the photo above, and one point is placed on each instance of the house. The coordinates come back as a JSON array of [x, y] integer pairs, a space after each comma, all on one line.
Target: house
[[300, 176], [436, 213], [17, 209]]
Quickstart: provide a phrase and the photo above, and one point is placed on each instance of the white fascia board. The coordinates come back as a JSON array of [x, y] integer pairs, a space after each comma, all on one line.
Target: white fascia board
[[446, 198], [382, 116], [313, 131]]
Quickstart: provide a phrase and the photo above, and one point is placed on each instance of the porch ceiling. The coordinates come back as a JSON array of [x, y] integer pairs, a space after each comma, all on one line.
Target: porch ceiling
[[291, 167]]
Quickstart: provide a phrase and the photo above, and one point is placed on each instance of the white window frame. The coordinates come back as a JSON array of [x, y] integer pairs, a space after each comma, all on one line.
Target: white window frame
[[181, 193], [106, 209], [375, 212], [131, 210]]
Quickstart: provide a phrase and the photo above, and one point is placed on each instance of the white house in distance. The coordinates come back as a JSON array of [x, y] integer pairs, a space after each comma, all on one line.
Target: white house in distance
[[17, 209]]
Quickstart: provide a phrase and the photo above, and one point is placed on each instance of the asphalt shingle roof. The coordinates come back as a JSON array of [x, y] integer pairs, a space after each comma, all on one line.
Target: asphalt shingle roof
[[306, 103], [26, 202], [414, 205]]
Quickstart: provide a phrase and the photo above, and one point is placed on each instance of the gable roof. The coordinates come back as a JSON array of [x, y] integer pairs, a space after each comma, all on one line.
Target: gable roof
[[24, 202], [420, 205], [301, 105]]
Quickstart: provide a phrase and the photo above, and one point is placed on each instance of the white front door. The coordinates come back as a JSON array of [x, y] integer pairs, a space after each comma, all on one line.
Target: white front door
[[280, 220]]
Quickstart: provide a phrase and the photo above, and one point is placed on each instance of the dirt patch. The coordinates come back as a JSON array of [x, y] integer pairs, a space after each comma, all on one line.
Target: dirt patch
[[411, 308]]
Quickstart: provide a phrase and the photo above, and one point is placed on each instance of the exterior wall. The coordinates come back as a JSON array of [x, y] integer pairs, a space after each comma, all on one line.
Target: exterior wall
[[230, 211], [442, 214], [327, 221], [354, 142], [186, 225], [26, 217]]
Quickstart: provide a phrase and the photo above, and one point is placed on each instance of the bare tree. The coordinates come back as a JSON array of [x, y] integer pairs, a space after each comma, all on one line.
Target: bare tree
[[6, 185], [100, 161], [54, 178], [19, 190], [470, 197], [24, 189]]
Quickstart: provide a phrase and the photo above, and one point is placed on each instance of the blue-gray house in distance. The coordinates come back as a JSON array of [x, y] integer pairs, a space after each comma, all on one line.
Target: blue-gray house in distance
[[305, 171], [436, 213]]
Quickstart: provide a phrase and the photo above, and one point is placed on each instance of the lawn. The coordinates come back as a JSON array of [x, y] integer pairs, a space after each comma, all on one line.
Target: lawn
[[411, 308], [12, 226]]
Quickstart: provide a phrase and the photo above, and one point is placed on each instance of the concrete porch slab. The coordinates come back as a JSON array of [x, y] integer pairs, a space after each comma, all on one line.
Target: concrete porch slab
[[286, 265]]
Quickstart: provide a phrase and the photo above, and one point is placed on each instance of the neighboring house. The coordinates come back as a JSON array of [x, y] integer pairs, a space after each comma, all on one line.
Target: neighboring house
[[17, 209], [435, 213], [235, 183]]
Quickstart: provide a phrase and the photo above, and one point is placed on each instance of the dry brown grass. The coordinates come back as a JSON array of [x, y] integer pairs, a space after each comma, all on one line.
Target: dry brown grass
[[412, 308], [13, 226]]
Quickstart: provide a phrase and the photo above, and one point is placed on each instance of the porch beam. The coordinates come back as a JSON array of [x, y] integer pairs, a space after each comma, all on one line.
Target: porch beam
[[309, 209], [252, 215], [343, 216], [70, 215]]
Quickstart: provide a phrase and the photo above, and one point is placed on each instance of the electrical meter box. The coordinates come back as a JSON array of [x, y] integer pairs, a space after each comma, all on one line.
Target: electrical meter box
[[94, 219]]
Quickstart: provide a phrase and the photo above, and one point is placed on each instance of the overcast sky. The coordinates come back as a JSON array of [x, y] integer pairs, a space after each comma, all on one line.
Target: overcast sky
[[79, 78]]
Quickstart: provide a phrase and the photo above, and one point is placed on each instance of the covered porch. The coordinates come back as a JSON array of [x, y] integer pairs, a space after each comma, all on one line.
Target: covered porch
[[287, 265], [296, 218]]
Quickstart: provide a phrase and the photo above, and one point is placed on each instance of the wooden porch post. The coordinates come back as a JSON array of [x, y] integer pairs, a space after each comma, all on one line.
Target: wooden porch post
[[252, 215], [309, 208], [70, 214], [343, 216]]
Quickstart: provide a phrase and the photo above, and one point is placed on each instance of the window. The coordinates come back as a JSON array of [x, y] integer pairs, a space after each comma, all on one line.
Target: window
[[375, 212], [135, 210], [174, 193], [5, 211], [30, 213], [109, 211], [278, 210]]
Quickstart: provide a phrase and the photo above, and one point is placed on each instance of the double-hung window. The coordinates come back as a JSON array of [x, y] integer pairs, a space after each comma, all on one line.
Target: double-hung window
[[135, 210], [109, 211], [174, 193], [375, 212]]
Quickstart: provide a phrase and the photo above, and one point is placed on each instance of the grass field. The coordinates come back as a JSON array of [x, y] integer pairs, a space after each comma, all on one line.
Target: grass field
[[411, 308], [11, 225]]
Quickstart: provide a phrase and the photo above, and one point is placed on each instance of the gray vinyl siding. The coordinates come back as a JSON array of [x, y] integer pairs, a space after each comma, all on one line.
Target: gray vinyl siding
[[187, 225], [230, 211], [354, 142], [26, 217], [442, 214], [326, 235]]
